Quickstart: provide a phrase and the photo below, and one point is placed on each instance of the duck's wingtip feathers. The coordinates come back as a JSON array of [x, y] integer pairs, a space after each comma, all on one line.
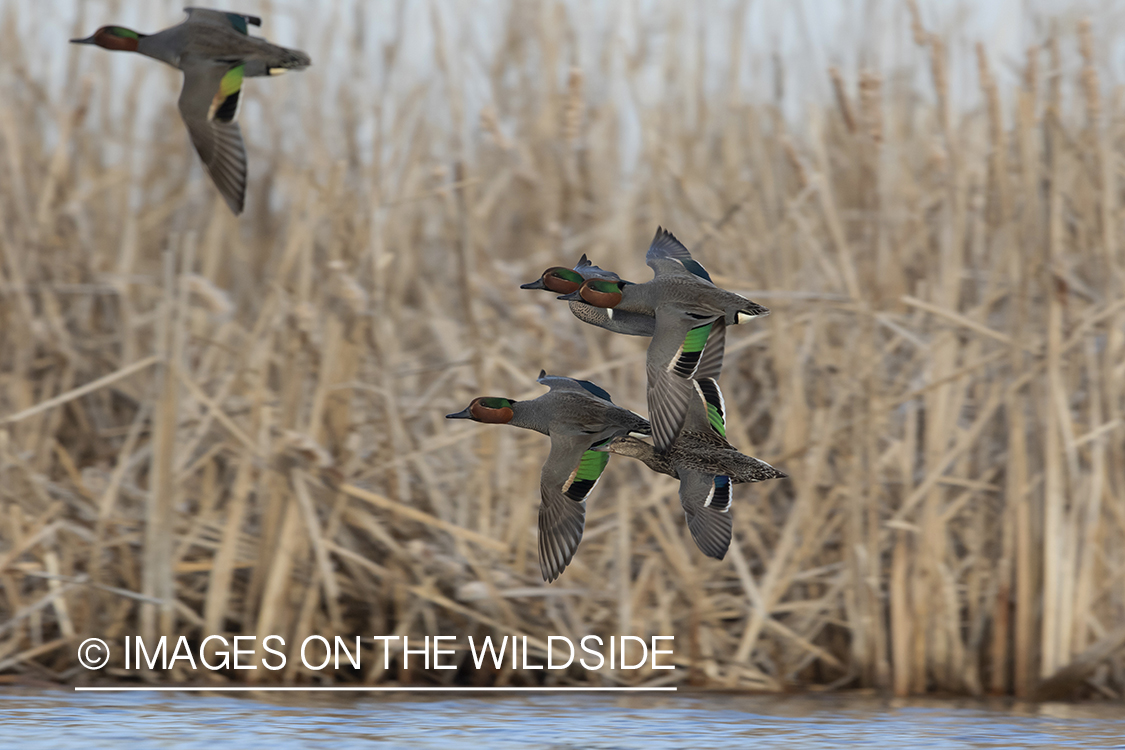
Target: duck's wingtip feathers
[[561, 522], [711, 529], [665, 246], [556, 549]]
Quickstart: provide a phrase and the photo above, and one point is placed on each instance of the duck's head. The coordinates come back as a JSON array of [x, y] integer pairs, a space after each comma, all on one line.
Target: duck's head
[[487, 409], [625, 445], [112, 37], [598, 292], [558, 280]]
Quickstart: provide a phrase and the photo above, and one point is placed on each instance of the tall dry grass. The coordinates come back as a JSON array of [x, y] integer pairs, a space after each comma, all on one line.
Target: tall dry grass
[[210, 425]]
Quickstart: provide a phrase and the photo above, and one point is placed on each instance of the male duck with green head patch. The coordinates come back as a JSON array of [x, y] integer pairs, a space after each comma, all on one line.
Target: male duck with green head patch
[[577, 415], [562, 280], [215, 52], [691, 316]]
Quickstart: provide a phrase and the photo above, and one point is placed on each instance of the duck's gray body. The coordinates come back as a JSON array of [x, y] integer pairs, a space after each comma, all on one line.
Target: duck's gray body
[[706, 465], [576, 415], [697, 451], [213, 36], [681, 281], [215, 52]]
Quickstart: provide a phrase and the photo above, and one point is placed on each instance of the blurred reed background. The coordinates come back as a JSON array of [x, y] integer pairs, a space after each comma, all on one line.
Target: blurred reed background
[[220, 426]]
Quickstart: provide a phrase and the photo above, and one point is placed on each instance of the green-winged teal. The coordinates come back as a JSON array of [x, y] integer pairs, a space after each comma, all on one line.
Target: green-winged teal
[[561, 280], [576, 415], [691, 318], [215, 52], [677, 278], [706, 465]]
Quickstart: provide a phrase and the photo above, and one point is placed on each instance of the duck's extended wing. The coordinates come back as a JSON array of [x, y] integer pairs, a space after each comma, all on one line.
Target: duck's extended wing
[[568, 477], [711, 361], [563, 383], [706, 503], [664, 247], [671, 378], [209, 107]]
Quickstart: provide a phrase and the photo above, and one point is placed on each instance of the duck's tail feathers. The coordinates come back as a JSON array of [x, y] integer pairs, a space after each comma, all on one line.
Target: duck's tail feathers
[[294, 59], [751, 311], [279, 60]]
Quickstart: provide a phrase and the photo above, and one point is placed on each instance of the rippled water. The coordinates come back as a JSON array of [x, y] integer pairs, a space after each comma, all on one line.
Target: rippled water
[[59, 718]]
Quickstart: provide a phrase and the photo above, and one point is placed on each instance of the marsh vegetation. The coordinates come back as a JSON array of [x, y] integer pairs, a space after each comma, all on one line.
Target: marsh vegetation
[[211, 425]]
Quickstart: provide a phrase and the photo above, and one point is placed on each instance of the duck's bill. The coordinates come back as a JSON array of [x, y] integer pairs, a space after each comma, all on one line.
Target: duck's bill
[[537, 284], [603, 446], [463, 414], [573, 296], [87, 40]]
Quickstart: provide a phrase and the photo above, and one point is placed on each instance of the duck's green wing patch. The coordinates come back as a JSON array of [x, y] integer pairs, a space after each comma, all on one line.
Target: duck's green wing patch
[[224, 105], [713, 401], [585, 475], [687, 357], [711, 362], [240, 22]]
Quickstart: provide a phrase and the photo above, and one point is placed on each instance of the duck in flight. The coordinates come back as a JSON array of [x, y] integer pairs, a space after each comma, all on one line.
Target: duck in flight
[[215, 52], [577, 415]]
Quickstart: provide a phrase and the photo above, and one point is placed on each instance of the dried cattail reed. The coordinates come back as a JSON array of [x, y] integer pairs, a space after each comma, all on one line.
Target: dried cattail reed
[[871, 104], [490, 123], [1090, 86], [574, 105], [842, 98], [921, 36]]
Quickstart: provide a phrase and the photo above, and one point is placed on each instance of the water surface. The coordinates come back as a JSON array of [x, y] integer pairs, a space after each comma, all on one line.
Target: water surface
[[61, 718]]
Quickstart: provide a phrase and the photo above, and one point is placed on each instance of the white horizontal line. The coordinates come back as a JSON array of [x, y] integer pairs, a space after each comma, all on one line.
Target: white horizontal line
[[380, 689]]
